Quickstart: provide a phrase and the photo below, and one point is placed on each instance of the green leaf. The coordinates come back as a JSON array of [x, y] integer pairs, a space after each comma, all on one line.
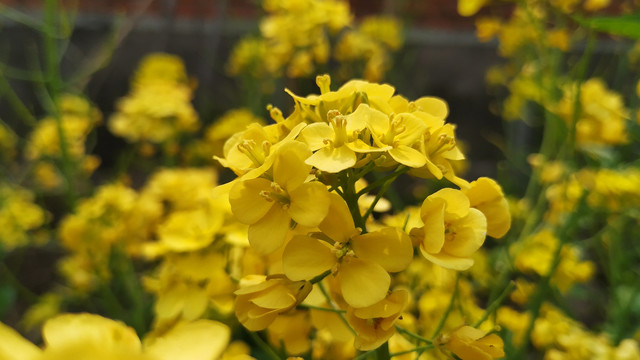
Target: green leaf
[[626, 25]]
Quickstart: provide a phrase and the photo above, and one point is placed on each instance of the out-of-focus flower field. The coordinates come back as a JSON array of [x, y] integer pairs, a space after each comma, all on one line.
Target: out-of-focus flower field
[[344, 226]]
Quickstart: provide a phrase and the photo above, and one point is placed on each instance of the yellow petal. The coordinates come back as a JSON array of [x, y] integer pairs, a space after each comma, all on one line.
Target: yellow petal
[[457, 202], [375, 120], [338, 224], [470, 235], [15, 347], [414, 129], [304, 258], [448, 261], [268, 234], [289, 169], [254, 322], [492, 345], [408, 156], [171, 302], [72, 329], [309, 203], [393, 304], [332, 159], [432, 214], [247, 204], [276, 297], [360, 146], [391, 248], [434, 106], [198, 340], [315, 134], [363, 282]]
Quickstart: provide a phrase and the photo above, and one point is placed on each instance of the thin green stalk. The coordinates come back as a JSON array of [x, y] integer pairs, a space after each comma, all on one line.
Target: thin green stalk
[[348, 184], [413, 335], [273, 355], [322, 308], [330, 302], [538, 298], [445, 316], [8, 275], [419, 348], [399, 171], [14, 101], [54, 85], [381, 192], [494, 305], [319, 278]]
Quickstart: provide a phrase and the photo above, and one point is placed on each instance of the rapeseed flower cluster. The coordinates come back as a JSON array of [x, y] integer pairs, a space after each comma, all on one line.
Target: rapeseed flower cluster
[[298, 38], [158, 108], [63, 138], [296, 191], [20, 216], [309, 251]]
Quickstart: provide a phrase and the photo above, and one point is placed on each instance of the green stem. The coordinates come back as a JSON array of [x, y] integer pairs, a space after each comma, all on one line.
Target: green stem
[[419, 348], [348, 184], [322, 308], [264, 346], [399, 171], [54, 85], [14, 101], [544, 284], [382, 352], [331, 303], [494, 305], [319, 278], [452, 301], [413, 335]]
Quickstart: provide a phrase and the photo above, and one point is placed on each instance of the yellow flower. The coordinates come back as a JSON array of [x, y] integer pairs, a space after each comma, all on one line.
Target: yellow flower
[[487, 28], [375, 324], [160, 67], [268, 206], [400, 132], [602, 119], [261, 299], [360, 262], [19, 216], [469, 343], [470, 7], [88, 336], [157, 112], [486, 195], [337, 143], [452, 230], [231, 122], [559, 38]]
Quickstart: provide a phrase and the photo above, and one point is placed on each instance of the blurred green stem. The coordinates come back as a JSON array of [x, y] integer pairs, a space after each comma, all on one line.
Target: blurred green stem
[[54, 85]]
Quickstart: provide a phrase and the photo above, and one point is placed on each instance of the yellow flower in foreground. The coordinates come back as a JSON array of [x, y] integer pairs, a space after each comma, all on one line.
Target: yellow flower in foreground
[[375, 324], [452, 230], [469, 343], [268, 206], [261, 299], [337, 142], [360, 262], [88, 336]]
